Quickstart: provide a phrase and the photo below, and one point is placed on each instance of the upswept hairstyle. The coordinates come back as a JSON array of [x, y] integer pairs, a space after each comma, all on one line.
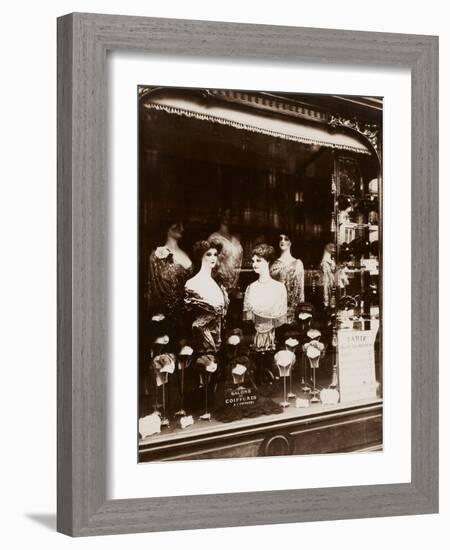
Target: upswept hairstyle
[[199, 249], [265, 251]]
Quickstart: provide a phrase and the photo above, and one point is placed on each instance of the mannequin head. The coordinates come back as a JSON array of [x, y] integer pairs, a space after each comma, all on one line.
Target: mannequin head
[[206, 254], [171, 227], [329, 250], [175, 230], [284, 242], [262, 256]]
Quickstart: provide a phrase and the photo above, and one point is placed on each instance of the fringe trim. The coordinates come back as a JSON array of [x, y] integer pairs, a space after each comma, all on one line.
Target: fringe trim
[[249, 128]]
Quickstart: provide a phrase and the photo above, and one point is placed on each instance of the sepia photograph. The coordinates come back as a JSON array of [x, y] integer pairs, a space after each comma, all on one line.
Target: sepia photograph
[[260, 273]]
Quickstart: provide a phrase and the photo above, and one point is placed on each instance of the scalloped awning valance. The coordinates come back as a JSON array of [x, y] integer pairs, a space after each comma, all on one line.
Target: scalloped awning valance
[[278, 127]]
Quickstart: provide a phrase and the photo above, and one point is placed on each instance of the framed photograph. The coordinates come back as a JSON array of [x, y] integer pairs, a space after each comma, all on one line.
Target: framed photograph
[[259, 273], [247, 274]]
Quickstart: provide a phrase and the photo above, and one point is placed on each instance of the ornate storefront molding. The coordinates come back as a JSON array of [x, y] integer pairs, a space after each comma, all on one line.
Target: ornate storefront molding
[[271, 103], [371, 132]]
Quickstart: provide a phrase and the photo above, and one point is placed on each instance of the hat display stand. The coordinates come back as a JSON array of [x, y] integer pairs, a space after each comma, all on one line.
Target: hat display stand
[[231, 346], [208, 365], [284, 360], [165, 365], [184, 360], [238, 373], [164, 419], [305, 319], [305, 388], [291, 345], [310, 335], [313, 350], [159, 345], [314, 391]]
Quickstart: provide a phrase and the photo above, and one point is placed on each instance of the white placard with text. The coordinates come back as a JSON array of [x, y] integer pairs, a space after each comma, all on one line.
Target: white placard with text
[[356, 365]]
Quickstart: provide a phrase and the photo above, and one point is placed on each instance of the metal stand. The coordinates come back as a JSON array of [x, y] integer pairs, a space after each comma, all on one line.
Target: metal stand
[[164, 420], [314, 351], [314, 391], [291, 394], [285, 359], [305, 388], [285, 403], [182, 412], [206, 415]]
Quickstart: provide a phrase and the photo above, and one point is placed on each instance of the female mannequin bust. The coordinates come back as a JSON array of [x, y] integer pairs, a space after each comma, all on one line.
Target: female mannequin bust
[[265, 301], [290, 272], [169, 268], [205, 299]]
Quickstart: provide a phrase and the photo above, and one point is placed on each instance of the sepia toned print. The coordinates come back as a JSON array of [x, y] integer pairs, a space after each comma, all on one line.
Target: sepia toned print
[[260, 261]]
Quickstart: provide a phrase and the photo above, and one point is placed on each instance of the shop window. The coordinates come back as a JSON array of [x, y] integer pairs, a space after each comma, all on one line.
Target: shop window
[[259, 281]]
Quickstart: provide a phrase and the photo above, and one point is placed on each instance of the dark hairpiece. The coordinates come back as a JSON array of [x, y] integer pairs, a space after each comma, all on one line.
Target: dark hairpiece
[[165, 222], [200, 247], [265, 251], [283, 232]]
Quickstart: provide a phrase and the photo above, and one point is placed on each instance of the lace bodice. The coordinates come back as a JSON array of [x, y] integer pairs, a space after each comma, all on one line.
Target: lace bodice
[[166, 279], [265, 302], [292, 275]]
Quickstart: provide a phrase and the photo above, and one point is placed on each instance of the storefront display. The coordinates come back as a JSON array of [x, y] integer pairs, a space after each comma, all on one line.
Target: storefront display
[[260, 262]]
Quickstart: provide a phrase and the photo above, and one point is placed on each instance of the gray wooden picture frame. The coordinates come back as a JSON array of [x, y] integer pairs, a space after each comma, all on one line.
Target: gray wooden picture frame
[[83, 240]]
